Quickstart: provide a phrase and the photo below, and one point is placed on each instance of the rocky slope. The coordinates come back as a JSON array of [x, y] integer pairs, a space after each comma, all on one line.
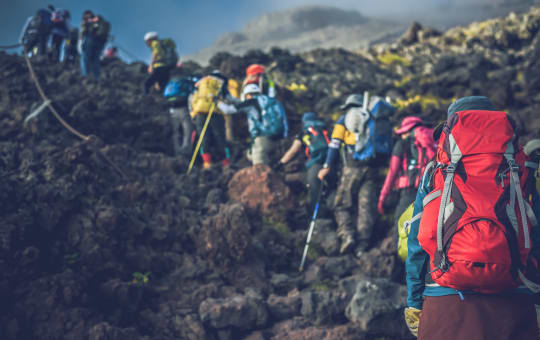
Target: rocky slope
[[89, 253]]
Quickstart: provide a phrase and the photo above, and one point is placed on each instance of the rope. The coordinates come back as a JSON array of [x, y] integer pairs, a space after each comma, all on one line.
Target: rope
[[63, 122], [7, 47], [131, 55], [53, 110]]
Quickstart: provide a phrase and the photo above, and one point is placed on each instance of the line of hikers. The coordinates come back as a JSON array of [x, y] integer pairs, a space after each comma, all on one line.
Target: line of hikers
[[467, 206], [67, 42], [468, 192]]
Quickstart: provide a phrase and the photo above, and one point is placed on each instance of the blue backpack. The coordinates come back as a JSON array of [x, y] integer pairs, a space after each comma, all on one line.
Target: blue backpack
[[379, 126], [178, 89], [273, 121]]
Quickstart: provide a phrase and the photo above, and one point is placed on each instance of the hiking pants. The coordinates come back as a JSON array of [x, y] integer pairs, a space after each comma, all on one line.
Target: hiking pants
[[56, 44], [90, 59], [37, 40], [355, 205], [180, 117], [260, 150], [478, 316], [159, 75], [215, 132], [313, 184]]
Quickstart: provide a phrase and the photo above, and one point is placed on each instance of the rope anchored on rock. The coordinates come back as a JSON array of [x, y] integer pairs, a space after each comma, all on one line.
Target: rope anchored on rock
[[47, 103], [8, 47]]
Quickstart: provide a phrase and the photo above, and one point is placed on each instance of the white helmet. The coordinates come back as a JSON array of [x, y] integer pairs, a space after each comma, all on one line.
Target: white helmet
[[251, 88], [150, 36]]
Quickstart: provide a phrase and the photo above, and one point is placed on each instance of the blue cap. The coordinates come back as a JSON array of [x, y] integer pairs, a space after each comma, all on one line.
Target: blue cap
[[471, 103]]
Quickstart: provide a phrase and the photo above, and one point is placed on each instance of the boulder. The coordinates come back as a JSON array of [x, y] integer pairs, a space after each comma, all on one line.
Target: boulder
[[261, 191], [225, 237], [377, 307], [240, 311]]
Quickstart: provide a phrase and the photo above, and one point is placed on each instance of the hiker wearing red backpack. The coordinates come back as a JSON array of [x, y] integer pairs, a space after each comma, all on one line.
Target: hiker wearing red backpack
[[410, 156], [471, 255]]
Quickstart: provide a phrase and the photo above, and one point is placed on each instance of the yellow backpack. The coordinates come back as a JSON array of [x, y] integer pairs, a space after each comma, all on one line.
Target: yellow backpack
[[404, 227], [234, 88], [208, 89]]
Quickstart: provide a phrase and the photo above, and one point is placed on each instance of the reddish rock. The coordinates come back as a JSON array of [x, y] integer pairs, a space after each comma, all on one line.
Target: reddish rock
[[261, 190]]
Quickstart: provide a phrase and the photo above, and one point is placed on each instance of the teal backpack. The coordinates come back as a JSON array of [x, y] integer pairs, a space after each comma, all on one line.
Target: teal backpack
[[315, 137], [273, 122]]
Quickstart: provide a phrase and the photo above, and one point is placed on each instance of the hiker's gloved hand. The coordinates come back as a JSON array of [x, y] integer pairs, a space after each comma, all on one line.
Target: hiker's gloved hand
[[278, 166], [322, 173], [412, 318], [380, 207], [150, 69]]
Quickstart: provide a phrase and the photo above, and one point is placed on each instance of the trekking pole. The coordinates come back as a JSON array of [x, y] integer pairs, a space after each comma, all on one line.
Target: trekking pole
[[203, 131], [311, 227], [7, 47]]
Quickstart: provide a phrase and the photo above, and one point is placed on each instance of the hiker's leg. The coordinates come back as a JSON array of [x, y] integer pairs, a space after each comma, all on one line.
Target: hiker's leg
[[343, 207], [313, 184], [367, 208], [176, 120]]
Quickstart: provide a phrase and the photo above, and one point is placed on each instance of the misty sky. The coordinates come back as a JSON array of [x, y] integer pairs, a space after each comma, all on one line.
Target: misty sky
[[193, 24]]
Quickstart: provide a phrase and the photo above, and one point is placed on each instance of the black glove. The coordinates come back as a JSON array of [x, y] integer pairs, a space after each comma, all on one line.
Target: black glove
[[277, 166]]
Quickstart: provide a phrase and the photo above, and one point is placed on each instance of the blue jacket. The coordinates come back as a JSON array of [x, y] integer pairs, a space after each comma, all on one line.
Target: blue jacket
[[417, 263]]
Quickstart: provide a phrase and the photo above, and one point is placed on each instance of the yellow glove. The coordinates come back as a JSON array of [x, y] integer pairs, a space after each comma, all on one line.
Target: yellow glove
[[412, 318], [538, 316]]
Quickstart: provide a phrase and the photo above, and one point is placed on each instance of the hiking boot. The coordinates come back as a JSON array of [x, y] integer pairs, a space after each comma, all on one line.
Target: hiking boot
[[347, 243]]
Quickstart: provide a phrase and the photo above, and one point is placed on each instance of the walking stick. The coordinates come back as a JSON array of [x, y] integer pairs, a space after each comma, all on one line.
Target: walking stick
[[311, 227], [205, 126]]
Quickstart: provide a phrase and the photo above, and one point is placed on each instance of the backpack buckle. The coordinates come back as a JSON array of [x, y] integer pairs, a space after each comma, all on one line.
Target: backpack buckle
[[512, 165], [451, 168]]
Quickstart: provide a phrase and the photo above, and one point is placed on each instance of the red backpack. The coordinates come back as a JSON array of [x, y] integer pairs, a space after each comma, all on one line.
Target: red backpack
[[476, 221]]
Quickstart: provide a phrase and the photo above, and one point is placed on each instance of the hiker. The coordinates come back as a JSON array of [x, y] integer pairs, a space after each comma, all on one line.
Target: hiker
[[164, 59], [465, 260], [211, 90], [313, 141], [60, 31], [256, 74], [177, 93], [355, 204], [93, 37], [410, 156], [70, 46], [35, 33], [267, 123]]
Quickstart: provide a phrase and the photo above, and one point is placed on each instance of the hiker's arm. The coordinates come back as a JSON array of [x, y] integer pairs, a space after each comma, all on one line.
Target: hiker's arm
[[293, 150], [417, 259], [535, 231], [338, 135], [393, 171]]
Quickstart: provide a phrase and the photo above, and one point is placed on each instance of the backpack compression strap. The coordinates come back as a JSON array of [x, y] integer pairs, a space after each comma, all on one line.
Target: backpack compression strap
[[455, 157], [515, 192]]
